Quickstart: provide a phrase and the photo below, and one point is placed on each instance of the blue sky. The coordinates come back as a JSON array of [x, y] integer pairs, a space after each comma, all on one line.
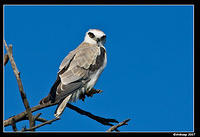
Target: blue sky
[[149, 74]]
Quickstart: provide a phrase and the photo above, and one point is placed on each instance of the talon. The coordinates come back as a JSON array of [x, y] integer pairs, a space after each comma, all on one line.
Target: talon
[[87, 92], [83, 98]]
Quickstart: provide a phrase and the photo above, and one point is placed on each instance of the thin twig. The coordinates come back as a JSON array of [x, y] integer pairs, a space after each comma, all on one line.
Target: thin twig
[[47, 122], [17, 75], [37, 116], [36, 119], [104, 121], [118, 125], [41, 119]]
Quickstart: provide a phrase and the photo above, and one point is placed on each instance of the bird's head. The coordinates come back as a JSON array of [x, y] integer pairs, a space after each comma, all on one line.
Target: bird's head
[[95, 36]]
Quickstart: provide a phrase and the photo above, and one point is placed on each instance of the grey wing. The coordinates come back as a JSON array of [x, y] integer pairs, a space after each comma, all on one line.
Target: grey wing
[[76, 74], [56, 86], [66, 61], [67, 90]]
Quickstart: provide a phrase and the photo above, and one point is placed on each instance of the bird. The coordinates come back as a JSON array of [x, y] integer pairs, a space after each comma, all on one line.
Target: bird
[[79, 71]]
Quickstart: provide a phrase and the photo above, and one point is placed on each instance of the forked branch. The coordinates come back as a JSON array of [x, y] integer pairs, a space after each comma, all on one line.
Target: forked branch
[[19, 82], [27, 114]]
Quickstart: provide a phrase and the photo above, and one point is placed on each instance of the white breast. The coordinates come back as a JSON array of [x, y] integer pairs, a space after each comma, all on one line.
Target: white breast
[[95, 76], [91, 83]]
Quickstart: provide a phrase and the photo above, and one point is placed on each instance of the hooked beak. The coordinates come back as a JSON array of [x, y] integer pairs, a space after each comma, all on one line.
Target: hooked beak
[[97, 40]]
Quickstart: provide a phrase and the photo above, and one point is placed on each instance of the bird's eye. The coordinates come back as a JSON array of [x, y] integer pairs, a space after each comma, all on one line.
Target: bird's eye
[[91, 35], [103, 37]]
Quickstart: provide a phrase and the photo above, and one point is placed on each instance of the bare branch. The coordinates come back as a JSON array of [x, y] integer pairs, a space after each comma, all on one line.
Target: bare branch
[[27, 114], [22, 116], [47, 122], [37, 116], [17, 75], [104, 121], [36, 119], [41, 119], [118, 125]]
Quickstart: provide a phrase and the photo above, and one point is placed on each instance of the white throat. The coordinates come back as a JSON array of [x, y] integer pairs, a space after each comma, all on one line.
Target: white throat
[[89, 40]]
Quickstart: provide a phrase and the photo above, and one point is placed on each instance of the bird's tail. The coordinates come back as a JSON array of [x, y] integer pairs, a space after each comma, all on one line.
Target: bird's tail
[[51, 96], [61, 106]]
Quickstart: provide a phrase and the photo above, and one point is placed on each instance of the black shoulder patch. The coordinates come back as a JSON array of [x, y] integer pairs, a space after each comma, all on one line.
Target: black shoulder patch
[[99, 60]]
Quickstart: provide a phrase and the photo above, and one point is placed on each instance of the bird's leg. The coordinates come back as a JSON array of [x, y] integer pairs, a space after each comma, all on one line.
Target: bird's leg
[[82, 97], [90, 93]]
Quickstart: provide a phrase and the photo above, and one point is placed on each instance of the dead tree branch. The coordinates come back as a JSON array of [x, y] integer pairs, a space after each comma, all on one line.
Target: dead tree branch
[[22, 116], [44, 123], [27, 114], [19, 82], [104, 121], [118, 125]]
